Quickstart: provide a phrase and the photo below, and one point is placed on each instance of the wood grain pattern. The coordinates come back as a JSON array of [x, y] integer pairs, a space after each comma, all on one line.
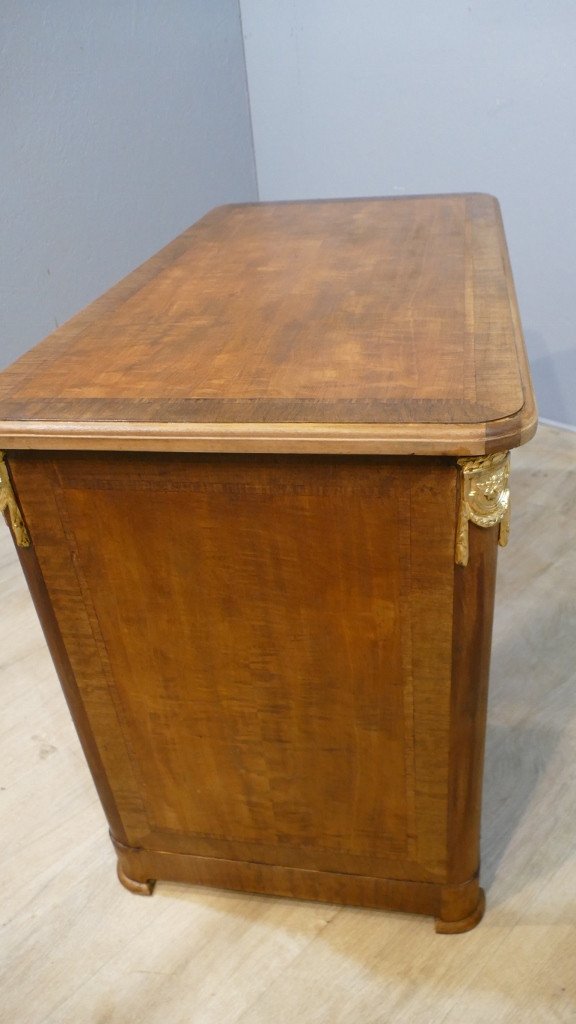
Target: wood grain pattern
[[474, 587], [381, 325], [278, 674], [137, 866], [267, 662], [77, 947]]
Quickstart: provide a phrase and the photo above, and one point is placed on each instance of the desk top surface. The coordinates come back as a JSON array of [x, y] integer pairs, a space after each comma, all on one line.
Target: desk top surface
[[362, 325]]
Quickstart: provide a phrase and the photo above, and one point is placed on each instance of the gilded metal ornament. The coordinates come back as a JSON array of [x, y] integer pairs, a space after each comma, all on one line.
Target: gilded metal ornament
[[485, 499], [8, 503]]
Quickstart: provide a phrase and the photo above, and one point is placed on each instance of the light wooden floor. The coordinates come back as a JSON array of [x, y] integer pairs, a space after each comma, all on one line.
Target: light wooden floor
[[76, 948]]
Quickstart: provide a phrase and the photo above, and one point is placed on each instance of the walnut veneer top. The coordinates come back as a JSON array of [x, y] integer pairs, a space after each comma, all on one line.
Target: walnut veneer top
[[364, 325]]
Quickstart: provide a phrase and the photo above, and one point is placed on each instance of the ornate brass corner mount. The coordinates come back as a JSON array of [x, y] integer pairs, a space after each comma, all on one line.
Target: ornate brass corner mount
[[484, 498], [8, 503]]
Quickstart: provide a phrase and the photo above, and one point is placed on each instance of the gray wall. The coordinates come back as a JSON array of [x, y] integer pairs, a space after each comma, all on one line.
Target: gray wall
[[121, 122], [382, 97]]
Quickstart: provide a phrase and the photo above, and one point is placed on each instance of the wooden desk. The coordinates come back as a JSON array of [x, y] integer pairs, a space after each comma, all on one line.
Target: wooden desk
[[257, 490]]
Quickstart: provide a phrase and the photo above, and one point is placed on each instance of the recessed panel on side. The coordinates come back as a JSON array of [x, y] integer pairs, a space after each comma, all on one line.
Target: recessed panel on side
[[263, 646]]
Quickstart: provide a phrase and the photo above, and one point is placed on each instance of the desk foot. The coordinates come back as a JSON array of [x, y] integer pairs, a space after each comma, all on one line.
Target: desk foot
[[141, 888], [465, 924]]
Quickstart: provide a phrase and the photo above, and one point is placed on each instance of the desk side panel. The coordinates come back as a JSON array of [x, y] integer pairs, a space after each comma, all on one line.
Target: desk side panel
[[262, 647]]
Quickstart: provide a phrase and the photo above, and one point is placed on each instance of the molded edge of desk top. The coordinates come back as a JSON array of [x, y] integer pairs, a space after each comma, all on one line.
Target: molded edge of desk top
[[264, 436], [281, 438]]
